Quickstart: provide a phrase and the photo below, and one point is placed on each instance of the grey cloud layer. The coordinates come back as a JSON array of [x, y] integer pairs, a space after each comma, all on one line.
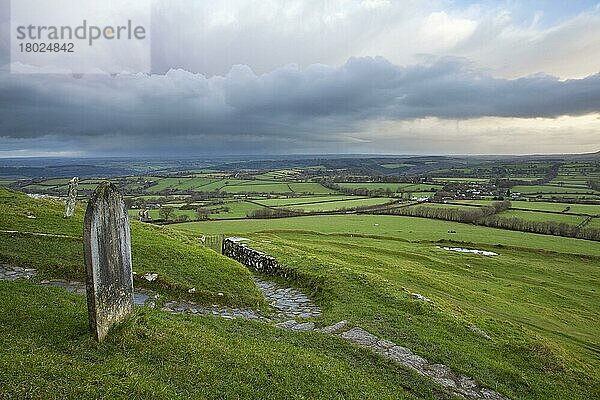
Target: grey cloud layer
[[286, 103]]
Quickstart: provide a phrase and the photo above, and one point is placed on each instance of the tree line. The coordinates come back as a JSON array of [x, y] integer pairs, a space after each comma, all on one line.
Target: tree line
[[486, 216], [457, 214]]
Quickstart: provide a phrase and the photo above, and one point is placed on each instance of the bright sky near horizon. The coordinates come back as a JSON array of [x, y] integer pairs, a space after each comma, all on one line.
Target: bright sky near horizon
[[337, 76]]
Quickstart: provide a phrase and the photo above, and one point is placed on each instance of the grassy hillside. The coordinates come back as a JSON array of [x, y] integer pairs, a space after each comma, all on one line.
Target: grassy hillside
[[179, 262], [537, 300], [47, 354]]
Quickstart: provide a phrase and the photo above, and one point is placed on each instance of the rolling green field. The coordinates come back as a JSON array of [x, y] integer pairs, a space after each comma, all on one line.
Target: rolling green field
[[228, 185], [450, 179], [276, 202], [237, 209], [310, 187], [539, 307], [550, 189], [402, 165], [400, 228], [589, 209], [191, 183], [336, 205], [395, 187], [258, 188], [542, 217], [279, 174]]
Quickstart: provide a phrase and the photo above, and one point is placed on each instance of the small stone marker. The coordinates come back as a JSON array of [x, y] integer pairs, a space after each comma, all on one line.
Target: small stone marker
[[71, 198], [107, 251]]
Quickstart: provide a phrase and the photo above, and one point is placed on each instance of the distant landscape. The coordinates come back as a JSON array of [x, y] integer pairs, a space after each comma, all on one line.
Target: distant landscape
[[362, 235], [556, 195]]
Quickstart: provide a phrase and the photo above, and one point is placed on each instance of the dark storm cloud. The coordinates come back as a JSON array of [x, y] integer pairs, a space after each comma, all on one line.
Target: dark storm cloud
[[286, 106]]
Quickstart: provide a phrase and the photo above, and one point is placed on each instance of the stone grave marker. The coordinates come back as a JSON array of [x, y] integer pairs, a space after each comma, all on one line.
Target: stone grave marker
[[71, 198], [107, 251]]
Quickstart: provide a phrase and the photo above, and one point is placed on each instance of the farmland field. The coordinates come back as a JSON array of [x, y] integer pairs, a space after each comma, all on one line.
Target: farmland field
[[590, 209], [258, 188], [551, 189], [540, 216], [310, 187], [594, 223], [335, 205], [460, 179], [404, 165], [397, 187], [401, 228], [276, 202]]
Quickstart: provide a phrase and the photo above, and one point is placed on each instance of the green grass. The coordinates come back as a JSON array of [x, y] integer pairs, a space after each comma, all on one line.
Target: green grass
[[525, 178], [594, 223], [539, 307], [47, 353], [279, 174], [303, 200], [195, 183], [538, 300], [563, 181], [549, 189], [542, 217], [205, 184], [563, 196], [589, 209], [393, 166], [399, 227], [395, 187], [183, 183], [180, 263], [336, 205], [239, 209], [310, 187], [529, 215], [258, 188], [451, 179]]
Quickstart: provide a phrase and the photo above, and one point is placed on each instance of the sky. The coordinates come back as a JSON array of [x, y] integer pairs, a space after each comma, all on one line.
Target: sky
[[324, 77]]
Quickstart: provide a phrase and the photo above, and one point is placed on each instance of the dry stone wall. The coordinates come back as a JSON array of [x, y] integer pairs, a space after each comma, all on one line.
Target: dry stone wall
[[261, 262]]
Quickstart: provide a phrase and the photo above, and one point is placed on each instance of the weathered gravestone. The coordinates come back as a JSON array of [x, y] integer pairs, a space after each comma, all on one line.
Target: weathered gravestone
[[71, 198], [107, 250]]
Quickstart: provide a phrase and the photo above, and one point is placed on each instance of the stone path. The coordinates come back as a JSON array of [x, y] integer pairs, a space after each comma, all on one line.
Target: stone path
[[285, 302], [458, 384], [12, 273], [287, 305]]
